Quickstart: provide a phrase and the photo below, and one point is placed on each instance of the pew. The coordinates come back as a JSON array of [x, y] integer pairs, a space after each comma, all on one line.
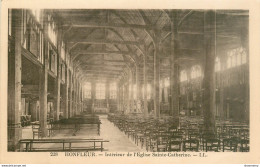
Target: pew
[[61, 145]]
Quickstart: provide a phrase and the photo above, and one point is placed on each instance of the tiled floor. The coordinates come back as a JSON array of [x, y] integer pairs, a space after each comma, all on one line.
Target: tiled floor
[[118, 141]]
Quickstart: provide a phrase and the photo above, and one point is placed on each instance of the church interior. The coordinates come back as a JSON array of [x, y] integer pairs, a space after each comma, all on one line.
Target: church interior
[[130, 80]]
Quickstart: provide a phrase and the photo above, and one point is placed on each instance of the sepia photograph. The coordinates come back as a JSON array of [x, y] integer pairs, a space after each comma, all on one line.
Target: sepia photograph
[[117, 82]]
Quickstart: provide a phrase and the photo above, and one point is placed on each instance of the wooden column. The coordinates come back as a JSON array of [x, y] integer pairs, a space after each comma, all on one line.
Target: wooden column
[[131, 92], [65, 96], [70, 92], [138, 90], [93, 95], [127, 94], [81, 98], [75, 95], [78, 100], [118, 97], [57, 81], [221, 96], [145, 82], [43, 87], [57, 95], [174, 73], [107, 94], [245, 45], [123, 98], [156, 87], [14, 83], [209, 72]]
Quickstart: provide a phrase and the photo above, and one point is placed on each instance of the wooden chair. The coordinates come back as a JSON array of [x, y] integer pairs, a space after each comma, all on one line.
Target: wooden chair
[[205, 136], [152, 140], [244, 145], [230, 144], [36, 131], [191, 145], [175, 146], [162, 143], [212, 144]]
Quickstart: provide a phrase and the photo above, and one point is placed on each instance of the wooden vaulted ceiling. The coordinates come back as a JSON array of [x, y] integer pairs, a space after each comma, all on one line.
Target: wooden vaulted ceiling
[[104, 44]]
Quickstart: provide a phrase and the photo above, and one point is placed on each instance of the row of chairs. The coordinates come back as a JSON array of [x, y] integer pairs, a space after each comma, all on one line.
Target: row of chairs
[[165, 135]]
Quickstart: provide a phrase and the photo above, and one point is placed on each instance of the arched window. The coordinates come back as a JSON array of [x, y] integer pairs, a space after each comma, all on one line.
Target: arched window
[[52, 30], [113, 89], [100, 91], [87, 93], [62, 50], [167, 82], [243, 55], [183, 76], [195, 71], [236, 57], [217, 64]]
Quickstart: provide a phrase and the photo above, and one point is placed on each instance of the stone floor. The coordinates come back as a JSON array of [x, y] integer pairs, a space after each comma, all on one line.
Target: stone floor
[[118, 141]]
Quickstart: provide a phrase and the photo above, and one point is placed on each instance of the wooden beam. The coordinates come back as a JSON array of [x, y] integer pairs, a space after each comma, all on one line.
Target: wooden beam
[[110, 25], [30, 88], [96, 41], [190, 32], [102, 65], [184, 17], [102, 72], [100, 53]]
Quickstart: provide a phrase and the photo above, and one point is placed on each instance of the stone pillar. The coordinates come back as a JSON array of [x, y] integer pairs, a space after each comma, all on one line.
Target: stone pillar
[[209, 72], [156, 87], [145, 82], [14, 83], [174, 73]]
